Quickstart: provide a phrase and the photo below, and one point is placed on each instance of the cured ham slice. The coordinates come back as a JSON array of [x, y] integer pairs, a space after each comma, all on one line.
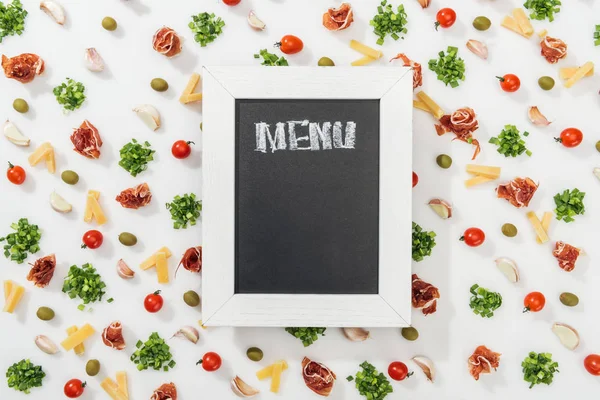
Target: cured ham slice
[[337, 19], [424, 295], [86, 140], [167, 42], [463, 122], [317, 377], [166, 391], [192, 259], [566, 255], [23, 67], [42, 271], [416, 67], [553, 49], [482, 361], [112, 336], [518, 192], [135, 197]]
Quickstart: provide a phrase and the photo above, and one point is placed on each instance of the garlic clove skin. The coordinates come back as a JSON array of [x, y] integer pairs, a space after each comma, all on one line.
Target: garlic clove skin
[[356, 334], [59, 204], [426, 365], [536, 117], [567, 335], [255, 22], [478, 48], [14, 135], [441, 208], [596, 172], [149, 116], [93, 61], [242, 389], [509, 268], [54, 10], [188, 332], [45, 344], [123, 270]]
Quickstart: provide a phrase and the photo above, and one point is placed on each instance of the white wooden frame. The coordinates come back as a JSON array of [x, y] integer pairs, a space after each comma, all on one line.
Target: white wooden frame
[[391, 307]]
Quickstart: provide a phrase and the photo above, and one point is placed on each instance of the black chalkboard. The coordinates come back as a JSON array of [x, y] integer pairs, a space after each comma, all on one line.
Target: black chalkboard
[[307, 202]]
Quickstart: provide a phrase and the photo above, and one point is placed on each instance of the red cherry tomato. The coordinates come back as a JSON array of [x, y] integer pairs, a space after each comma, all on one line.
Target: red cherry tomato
[[534, 302], [181, 149], [290, 44], [398, 371], [570, 137], [15, 174], [232, 2], [92, 239], [210, 361], [509, 82], [445, 18], [74, 388], [592, 364], [153, 302], [473, 237], [415, 179]]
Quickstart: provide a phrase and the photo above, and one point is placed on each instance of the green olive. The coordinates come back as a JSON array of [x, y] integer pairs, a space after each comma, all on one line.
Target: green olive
[[127, 239], [598, 145], [569, 299], [444, 161], [21, 106], [109, 23], [509, 230], [159, 84], [254, 353], [546, 82], [410, 333], [45, 313], [191, 298], [92, 367], [482, 23], [325, 62], [200, 125], [69, 177]]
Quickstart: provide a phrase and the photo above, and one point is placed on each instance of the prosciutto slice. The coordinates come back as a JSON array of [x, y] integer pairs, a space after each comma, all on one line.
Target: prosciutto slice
[[463, 122], [166, 391], [42, 271], [86, 140], [553, 49], [482, 361], [518, 192], [416, 67], [23, 67], [337, 19], [135, 197], [166, 42], [112, 336], [317, 377], [192, 259], [566, 255], [424, 295]]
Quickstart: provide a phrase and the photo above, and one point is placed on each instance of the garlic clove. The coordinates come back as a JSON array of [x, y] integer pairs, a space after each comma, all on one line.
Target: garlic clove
[[149, 115], [478, 48], [424, 3], [426, 365], [93, 61], [567, 335], [14, 135], [356, 334], [59, 204], [45, 344], [242, 389], [54, 10], [188, 332], [596, 172], [123, 270], [509, 268], [441, 208], [537, 118], [255, 22]]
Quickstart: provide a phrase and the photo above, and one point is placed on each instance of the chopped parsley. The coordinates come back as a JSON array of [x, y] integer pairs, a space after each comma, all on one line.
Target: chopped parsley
[[539, 368], [542, 9], [206, 27], [449, 68], [12, 19], [135, 157], [184, 209], [25, 239], [24, 375], [154, 353], [483, 302], [307, 335], [371, 383], [271, 60], [510, 143], [422, 242], [70, 94], [387, 22], [569, 204], [84, 283]]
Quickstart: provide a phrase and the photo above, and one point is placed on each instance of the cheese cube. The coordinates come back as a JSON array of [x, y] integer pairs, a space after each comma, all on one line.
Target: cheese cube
[[113, 390], [511, 24], [77, 337], [122, 383], [366, 50], [162, 268], [80, 348], [478, 180], [276, 377], [14, 298], [151, 261], [488, 172], [436, 110], [8, 287], [50, 161], [39, 154], [96, 210], [537, 226], [581, 72], [267, 372], [523, 21], [421, 106], [546, 219], [362, 61], [568, 72], [88, 214]]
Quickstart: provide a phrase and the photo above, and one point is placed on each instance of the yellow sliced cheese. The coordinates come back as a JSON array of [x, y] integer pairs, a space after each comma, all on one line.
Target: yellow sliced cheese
[[436, 110], [546, 219], [191, 86], [190, 98], [581, 72], [523, 21], [537, 227], [8, 287], [39, 154], [88, 214], [96, 210], [14, 298], [421, 106], [162, 268], [478, 180], [50, 161], [80, 348], [151, 261], [542, 34], [366, 50], [568, 72], [511, 24], [77, 337], [112, 389], [122, 383], [267, 372], [362, 61], [488, 172], [276, 377]]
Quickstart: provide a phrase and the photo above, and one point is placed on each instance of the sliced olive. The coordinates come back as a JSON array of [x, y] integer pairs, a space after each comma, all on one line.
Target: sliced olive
[[127, 239], [509, 230], [45, 313], [191, 298], [569, 299], [482, 23], [92, 367], [325, 62], [69, 177], [254, 353], [410, 333], [159, 84], [109, 23], [21, 106], [546, 82], [444, 161]]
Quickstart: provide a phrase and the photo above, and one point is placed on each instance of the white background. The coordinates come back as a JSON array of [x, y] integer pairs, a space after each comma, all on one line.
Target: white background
[[447, 337]]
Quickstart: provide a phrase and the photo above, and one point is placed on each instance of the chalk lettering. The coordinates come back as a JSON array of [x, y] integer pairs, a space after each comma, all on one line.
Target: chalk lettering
[[293, 138], [317, 133], [263, 132], [319, 136]]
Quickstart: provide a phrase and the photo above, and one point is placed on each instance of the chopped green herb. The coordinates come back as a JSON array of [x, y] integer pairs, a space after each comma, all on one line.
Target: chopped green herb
[[569, 204], [422, 242], [484, 302], [110, 300], [24, 375], [349, 378], [25, 239], [135, 157], [372, 384], [538, 368], [12, 19], [597, 36], [271, 60], [70, 94], [542, 9], [509, 142], [449, 68], [184, 209], [154, 353], [84, 283], [206, 28], [307, 335], [387, 22]]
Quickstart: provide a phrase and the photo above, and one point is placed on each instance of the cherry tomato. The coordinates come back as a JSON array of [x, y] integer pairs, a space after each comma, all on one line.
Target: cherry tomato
[[181, 149], [534, 302], [509, 82], [290, 44], [15, 174], [398, 371], [473, 237], [74, 388], [210, 361], [592, 364], [570, 137], [232, 2], [415, 179], [153, 302], [445, 18], [92, 239]]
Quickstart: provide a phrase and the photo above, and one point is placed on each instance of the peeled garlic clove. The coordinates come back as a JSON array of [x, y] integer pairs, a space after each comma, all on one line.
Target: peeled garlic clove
[[509, 268], [424, 3], [356, 334], [54, 10], [123, 270], [478, 48], [14, 135], [93, 61], [441, 208], [242, 389], [188, 332], [149, 115], [59, 204], [426, 365], [537, 118], [567, 335], [597, 172], [255, 22], [46, 345]]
